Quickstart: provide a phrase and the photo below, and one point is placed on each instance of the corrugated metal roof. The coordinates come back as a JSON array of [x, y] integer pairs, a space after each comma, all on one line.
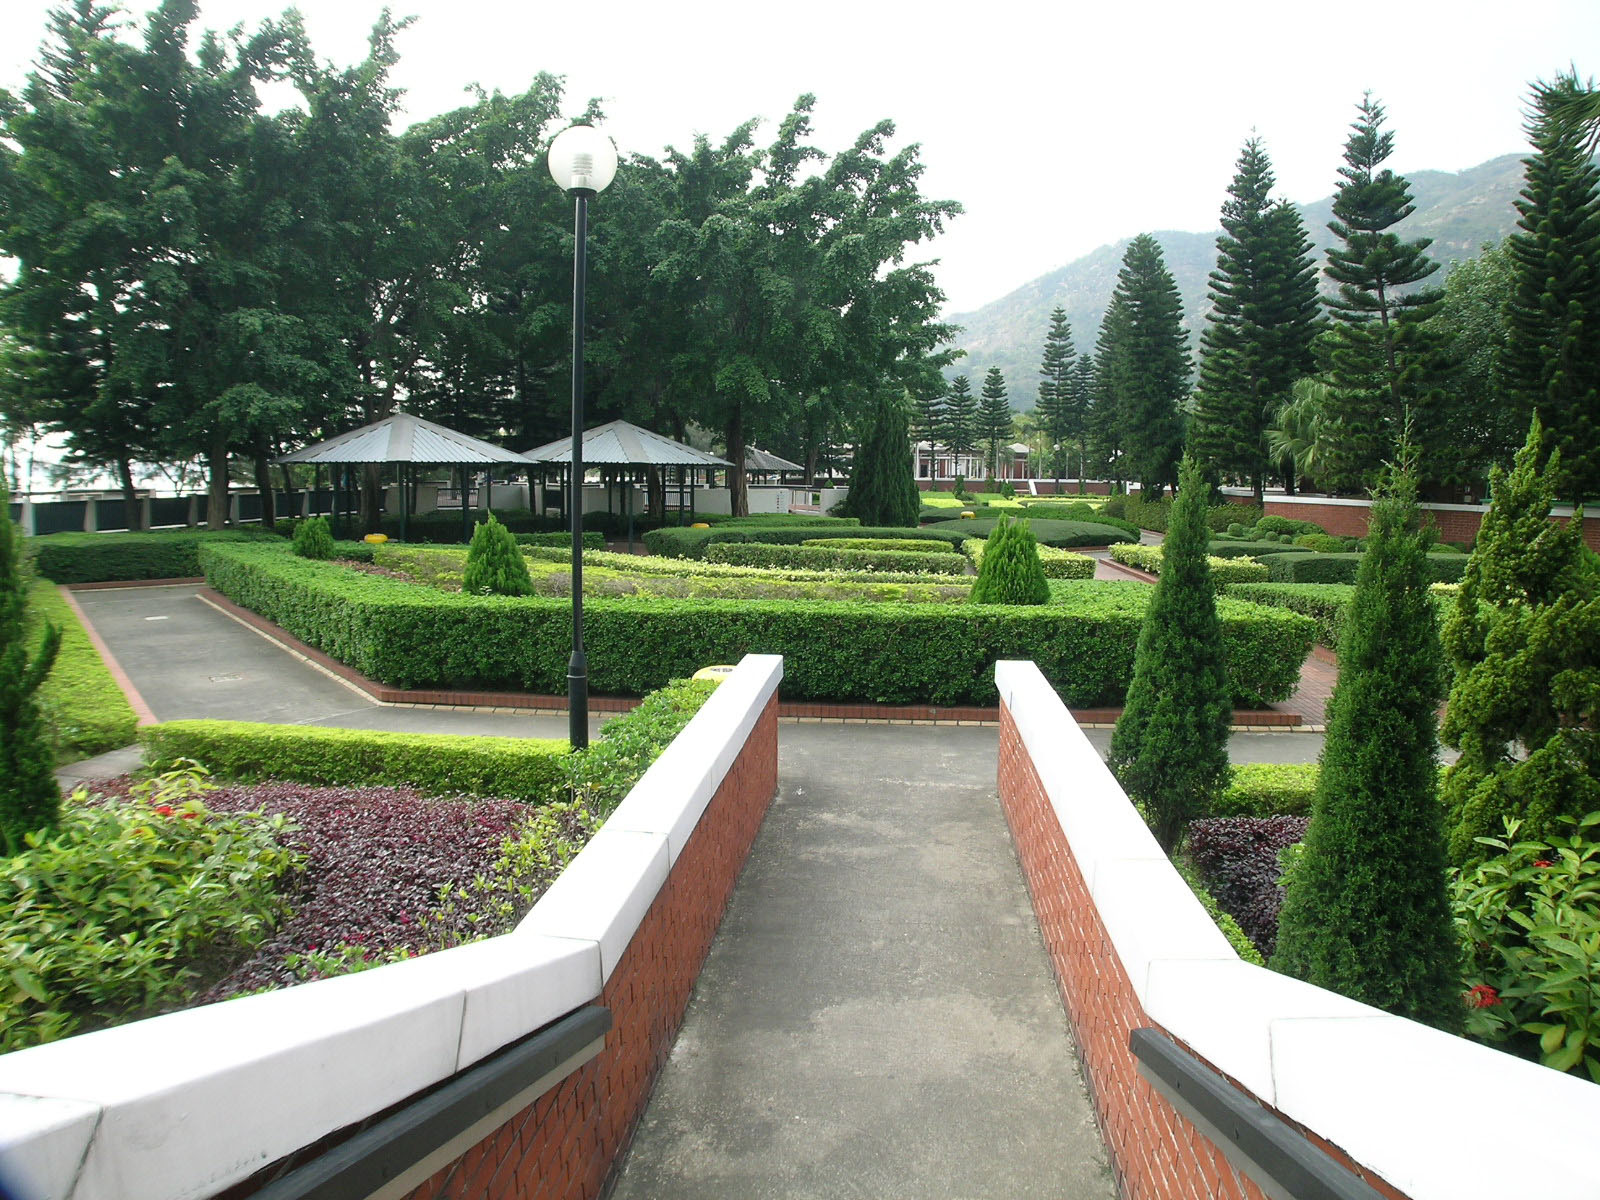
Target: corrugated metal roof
[[763, 460], [619, 443], [404, 438]]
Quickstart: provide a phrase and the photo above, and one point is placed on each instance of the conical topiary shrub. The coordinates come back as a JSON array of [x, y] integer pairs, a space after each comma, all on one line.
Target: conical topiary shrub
[[30, 798], [1011, 572], [312, 539], [495, 566]]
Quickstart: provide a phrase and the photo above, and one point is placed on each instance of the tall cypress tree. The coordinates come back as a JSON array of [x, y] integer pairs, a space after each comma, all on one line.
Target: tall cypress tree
[[1261, 326], [1152, 376], [1170, 747], [30, 799], [1082, 390], [1366, 912], [1108, 419], [1380, 351], [1552, 358], [994, 417], [882, 489], [1059, 415], [960, 417]]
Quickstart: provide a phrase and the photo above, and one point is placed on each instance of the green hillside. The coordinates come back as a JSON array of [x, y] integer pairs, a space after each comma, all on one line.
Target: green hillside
[[1460, 211]]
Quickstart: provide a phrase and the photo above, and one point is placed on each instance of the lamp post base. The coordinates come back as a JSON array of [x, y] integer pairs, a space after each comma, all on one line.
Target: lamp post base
[[578, 700]]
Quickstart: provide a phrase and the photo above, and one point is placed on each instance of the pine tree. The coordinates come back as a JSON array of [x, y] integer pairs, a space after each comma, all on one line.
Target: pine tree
[[30, 798], [1108, 418], [1010, 572], [1380, 352], [928, 421], [1059, 415], [1552, 359], [1170, 747], [495, 566], [1366, 913], [313, 539], [1524, 639], [1151, 365], [1082, 391], [882, 488], [994, 417], [960, 418], [1261, 326]]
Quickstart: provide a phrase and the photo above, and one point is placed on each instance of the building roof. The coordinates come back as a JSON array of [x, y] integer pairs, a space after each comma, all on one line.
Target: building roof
[[619, 443], [404, 438], [762, 460]]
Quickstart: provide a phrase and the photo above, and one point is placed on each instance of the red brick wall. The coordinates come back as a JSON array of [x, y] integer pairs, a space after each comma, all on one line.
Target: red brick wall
[[1155, 1150], [1350, 520], [564, 1144]]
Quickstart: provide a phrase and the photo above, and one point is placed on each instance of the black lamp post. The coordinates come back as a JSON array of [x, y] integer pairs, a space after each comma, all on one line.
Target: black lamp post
[[582, 162]]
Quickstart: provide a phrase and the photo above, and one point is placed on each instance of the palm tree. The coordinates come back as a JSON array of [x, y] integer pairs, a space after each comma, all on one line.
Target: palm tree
[[1302, 436]]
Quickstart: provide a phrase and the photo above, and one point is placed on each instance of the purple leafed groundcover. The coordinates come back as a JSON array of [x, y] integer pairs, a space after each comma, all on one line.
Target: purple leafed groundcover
[[1237, 858], [376, 858]]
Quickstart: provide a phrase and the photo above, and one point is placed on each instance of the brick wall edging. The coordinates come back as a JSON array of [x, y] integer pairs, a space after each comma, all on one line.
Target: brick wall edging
[[188, 1104], [1392, 1096]]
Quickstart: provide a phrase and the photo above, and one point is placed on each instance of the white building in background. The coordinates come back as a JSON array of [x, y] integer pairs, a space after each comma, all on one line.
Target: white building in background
[[936, 463]]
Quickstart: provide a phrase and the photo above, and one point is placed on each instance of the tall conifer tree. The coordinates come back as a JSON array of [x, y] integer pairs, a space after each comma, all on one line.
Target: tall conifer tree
[[994, 417], [30, 798], [1260, 329], [1380, 351], [1083, 393], [1059, 415], [960, 417], [882, 489], [1552, 358], [1150, 378], [927, 423]]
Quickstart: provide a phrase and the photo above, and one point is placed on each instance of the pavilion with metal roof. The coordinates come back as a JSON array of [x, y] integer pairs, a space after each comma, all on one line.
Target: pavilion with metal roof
[[624, 452], [763, 462], [406, 441]]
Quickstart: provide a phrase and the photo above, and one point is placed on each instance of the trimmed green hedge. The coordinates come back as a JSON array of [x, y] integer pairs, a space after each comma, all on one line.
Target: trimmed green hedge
[[904, 545], [691, 543], [1077, 511], [591, 539], [84, 710], [1061, 534], [1058, 564], [436, 764], [1324, 603], [1226, 548], [1224, 571], [941, 654], [1268, 790], [820, 558], [1154, 514], [114, 557], [1310, 567]]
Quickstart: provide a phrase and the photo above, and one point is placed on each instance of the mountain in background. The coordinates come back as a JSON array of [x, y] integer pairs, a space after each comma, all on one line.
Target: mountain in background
[[1460, 211]]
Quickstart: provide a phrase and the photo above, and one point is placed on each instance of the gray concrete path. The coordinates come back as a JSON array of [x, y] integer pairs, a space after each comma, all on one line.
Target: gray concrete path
[[877, 1016]]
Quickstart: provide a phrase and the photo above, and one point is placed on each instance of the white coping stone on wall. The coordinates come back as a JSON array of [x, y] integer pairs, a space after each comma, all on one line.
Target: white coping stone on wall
[[1437, 1116], [184, 1105]]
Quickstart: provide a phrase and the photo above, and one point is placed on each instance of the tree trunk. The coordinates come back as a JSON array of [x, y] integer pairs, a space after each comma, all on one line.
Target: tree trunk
[[738, 497], [217, 493], [371, 497], [130, 496], [269, 507]]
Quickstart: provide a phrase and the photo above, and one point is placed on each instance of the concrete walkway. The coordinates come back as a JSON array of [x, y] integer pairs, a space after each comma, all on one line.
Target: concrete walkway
[[877, 1016]]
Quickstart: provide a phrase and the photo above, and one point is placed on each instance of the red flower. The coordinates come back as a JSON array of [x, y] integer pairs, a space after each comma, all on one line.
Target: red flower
[[1481, 995], [1544, 862], [163, 810], [188, 816]]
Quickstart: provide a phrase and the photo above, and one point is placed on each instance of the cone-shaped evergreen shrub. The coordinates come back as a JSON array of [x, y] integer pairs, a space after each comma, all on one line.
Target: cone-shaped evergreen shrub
[[1524, 639], [495, 565], [1367, 914], [1011, 572], [1170, 748], [883, 489], [312, 539], [30, 798]]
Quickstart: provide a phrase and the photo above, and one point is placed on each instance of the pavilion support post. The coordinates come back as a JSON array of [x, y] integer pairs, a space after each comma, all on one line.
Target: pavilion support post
[[405, 496], [466, 513]]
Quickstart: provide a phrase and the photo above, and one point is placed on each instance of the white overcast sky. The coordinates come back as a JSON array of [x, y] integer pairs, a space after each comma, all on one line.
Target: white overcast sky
[[1059, 126]]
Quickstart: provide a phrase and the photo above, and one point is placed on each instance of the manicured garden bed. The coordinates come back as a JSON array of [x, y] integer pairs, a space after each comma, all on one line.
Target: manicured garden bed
[[85, 712], [1061, 534], [406, 635]]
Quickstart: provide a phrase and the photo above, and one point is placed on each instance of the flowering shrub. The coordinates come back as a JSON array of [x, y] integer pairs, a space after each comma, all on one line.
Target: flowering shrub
[[129, 903], [1529, 918], [1238, 861]]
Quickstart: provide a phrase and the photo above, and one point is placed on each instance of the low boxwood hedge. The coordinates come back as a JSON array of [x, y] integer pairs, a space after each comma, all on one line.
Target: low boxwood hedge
[[435, 764], [1058, 564], [821, 558], [1268, 790], [941, 654], [1061, 534], [692, 543], [1444, 566], [1224, 571], [84, 710], [1324, 603], [910, 545], [592, 540], [1228, 548], [115, 557]]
